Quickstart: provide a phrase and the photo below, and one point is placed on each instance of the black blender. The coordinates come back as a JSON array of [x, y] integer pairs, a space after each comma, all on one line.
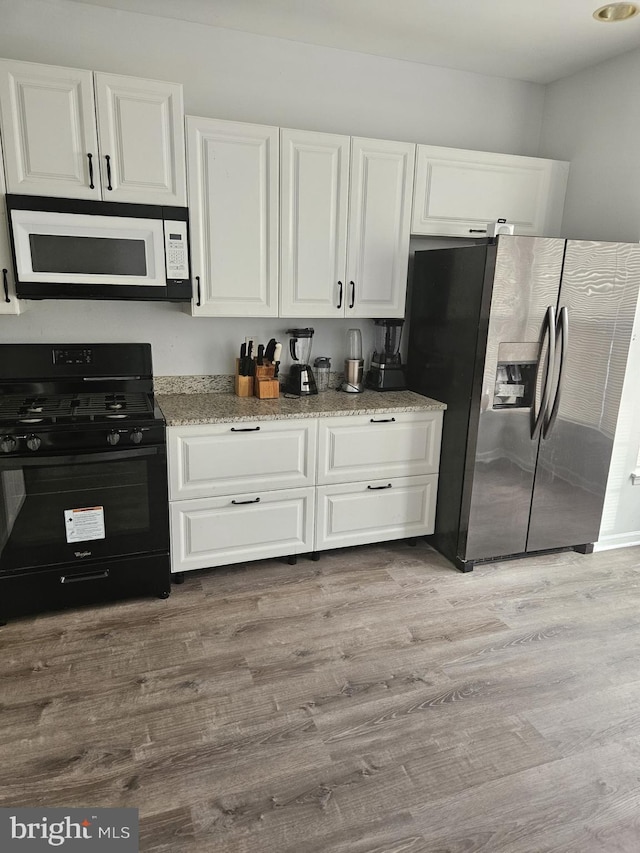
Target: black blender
[[387, 371], [300, 380]]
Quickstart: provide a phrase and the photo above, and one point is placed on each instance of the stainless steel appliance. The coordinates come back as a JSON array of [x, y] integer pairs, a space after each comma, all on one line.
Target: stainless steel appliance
[[353, 363], [300, 380], [77, 249], [526, 341], [83, 477], [387, 371]]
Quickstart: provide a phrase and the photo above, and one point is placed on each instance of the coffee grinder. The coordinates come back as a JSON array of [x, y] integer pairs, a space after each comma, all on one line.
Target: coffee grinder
[[387, 371], [300, 381]]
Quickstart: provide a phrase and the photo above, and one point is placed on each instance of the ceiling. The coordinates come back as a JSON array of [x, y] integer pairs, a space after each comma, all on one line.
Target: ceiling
[[535, 40]]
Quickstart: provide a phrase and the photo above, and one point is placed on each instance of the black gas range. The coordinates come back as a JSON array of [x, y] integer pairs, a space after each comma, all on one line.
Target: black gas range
[[83, 479]]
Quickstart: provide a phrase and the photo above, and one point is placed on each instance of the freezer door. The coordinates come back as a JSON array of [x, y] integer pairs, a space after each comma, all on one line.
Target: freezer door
[[497, 496], [599, 291]]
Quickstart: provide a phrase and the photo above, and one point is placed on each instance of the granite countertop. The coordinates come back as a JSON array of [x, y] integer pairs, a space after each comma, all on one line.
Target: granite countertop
[[211, 408]]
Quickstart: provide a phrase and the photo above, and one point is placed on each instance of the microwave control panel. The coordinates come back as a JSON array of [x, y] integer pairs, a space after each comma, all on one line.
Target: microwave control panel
[[176, 250]]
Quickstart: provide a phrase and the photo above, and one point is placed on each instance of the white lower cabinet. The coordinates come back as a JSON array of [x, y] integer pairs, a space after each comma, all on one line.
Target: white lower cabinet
[[209, 532], [375, 511], [252, 490]]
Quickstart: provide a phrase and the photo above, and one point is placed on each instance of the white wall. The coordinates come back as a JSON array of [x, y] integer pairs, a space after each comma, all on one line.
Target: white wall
[[234, 75], [593, 120]]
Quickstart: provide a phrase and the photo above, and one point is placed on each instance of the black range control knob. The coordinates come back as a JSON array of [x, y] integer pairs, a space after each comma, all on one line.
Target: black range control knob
[[113, 437], [136, 436], [34, 442], [8, 443]]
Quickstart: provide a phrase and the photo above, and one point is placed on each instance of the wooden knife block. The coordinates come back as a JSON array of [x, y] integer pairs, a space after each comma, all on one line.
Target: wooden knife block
[[243, 384], [265, 386]]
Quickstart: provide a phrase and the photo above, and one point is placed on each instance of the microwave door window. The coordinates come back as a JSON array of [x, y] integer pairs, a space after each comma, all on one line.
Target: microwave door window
[[62, 253]]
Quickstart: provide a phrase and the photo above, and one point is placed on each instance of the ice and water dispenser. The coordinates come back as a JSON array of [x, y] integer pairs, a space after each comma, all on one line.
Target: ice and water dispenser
[[515, 375]]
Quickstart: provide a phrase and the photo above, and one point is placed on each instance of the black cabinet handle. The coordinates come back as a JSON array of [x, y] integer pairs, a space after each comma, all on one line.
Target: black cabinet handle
[[477, 230], [377, 488], [353, 294], [198, 302], [245, 429], [108, 159], [242, 503], [339, 305], [5, 282], [382, 421], [90, 576], [92, 186]]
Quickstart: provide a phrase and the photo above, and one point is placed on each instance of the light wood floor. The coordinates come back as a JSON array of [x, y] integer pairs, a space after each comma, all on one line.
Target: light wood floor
[[377, 700]]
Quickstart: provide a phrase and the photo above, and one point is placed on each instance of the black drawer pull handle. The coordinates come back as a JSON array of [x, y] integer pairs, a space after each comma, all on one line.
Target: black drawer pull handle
[[242, 503], [108, 159], [382, 421], [353, 294], [377, 488], [198, 302], [477, 230], [92, 186], [90, 576], [5, 283], [245, 429], [339, 305]]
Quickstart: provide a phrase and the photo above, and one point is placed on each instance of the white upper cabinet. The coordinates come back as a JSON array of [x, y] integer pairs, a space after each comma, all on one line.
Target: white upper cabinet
[[346, 207], [379, 218], [8, 302], [50, 130], [141, 131], [233, 207], [458, 192], [314, 203]]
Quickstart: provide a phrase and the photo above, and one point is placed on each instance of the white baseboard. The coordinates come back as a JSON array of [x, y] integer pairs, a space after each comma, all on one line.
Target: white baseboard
[[620, 540]]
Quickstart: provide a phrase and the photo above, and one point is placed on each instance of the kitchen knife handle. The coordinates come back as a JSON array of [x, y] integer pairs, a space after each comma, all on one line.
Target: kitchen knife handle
[[92, 186], [5, 283], [242, 503], [563, 334], [377, 488], [108, 159], [353, 294], [339, 305], [198, 302]]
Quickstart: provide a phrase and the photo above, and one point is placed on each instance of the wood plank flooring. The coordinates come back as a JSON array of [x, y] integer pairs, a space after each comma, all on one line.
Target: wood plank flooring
[[377, 701]]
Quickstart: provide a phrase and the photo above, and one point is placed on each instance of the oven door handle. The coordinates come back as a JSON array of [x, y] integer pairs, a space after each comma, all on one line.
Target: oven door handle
[[72, 459]]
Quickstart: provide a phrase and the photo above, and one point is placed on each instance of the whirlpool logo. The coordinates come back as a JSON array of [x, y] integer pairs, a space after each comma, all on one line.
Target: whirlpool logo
[[33, 829]]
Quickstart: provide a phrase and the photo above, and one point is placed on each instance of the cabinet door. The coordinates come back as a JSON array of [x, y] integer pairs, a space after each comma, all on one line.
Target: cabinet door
[[8, 302], [314, 175], [141, 130], [209, 532], [48, 130], [375, 511], [381, 188], [389, 445], [458, 192], [233, 202], [220, 459]]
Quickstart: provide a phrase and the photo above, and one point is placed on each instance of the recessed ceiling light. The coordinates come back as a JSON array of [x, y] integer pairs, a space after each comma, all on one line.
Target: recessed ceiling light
[[616, 12]]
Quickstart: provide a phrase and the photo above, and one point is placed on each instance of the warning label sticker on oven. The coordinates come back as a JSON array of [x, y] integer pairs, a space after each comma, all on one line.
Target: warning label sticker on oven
[[84, 524]]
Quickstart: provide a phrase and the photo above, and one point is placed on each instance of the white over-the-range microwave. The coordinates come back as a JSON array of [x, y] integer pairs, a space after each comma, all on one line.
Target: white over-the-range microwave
[[76, 249]]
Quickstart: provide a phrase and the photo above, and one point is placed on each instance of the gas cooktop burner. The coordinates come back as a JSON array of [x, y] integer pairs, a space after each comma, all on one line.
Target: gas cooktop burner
[[74, 408]]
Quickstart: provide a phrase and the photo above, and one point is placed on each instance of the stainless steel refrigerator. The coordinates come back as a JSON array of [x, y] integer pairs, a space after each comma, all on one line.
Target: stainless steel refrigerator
[[526, 341]]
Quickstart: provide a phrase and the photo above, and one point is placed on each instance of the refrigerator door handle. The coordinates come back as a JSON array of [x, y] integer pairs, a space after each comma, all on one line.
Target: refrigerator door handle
[[548, 331], [563, 333]]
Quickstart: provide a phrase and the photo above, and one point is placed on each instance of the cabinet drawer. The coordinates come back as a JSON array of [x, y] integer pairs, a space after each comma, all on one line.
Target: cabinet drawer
[[217, 531], [390, 445], [223, 459], [357, 513]]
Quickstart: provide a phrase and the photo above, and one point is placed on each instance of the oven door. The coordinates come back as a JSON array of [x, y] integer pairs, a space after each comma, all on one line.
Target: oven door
[[82, 508], [83, 249]]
